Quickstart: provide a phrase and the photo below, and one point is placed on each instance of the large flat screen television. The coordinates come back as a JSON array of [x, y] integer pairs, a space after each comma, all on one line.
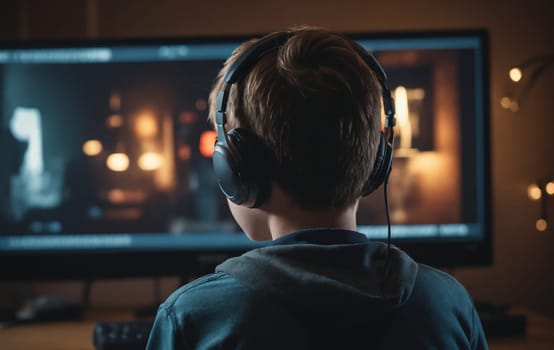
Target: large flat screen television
[[106, 150]]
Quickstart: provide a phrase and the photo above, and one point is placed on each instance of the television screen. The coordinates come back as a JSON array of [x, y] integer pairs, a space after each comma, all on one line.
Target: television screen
[[106, 155]]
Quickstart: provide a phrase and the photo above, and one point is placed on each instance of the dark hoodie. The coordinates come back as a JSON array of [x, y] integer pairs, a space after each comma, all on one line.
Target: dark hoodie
[[319, 289]]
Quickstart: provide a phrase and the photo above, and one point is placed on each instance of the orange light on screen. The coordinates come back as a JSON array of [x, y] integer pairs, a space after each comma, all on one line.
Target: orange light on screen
[[92, 148], [114, 121], [146, 125], [184, 152], [116, 195], [207, 143], [188, 117], [120, 196], [201, 104], [150, 161], [117, 162], [115, 101]]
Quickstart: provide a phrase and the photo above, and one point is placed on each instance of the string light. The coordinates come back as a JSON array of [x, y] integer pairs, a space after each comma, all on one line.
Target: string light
[[543, 190], [516, 74], [549, 187], [541, 225], [505, 102], [534, 192], [534, 67]]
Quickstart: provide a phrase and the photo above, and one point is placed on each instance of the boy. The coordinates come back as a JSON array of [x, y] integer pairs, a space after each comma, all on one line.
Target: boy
[[298, 121]]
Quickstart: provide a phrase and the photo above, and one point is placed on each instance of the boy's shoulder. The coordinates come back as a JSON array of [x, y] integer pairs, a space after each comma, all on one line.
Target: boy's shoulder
[[433, 280], [439, 292], [217, 285]]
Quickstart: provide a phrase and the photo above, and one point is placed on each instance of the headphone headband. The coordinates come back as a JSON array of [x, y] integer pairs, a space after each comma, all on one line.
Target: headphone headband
[[241, 66], [240, 180]]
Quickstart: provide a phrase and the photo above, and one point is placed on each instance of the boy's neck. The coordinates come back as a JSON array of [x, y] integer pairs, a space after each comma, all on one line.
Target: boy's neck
[[296, 219], [285, 217]]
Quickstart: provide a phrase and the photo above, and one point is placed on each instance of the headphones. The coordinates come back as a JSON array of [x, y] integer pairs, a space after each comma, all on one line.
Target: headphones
[[242, 162]]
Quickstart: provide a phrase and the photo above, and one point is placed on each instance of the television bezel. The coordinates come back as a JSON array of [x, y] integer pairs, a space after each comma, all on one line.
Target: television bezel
[[93, 264]]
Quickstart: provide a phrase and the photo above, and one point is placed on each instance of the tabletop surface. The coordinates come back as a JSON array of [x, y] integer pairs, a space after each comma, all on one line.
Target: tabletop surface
[[77, 335]]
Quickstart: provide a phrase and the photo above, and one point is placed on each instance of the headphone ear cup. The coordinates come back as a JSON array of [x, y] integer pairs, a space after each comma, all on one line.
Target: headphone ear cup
[[242, 168], [381, 167]]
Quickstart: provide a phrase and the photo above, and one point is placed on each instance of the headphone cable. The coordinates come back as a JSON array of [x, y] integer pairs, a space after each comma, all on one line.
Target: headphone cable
[[387, 211]]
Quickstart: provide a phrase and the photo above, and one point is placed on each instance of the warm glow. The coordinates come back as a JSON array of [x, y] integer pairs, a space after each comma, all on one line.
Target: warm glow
[[117, 162], [201, 104], [123, 213], [541, 224], [150, 161], [146, 125], [187, 117], [115, 101], [515, 74], [550, 188], [26, 126], [403, 117], [114, 121], [184, 152], [92, 147], [416, 94], [116, 195], [119, 196], [534, 192], [207, 143], [505, 102], [428, 162]]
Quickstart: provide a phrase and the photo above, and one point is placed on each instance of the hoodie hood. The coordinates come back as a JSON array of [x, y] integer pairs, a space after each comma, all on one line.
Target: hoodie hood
[[334, 272]]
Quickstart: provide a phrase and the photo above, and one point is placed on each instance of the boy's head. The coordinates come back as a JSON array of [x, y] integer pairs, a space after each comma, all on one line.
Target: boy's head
[[316, 105]]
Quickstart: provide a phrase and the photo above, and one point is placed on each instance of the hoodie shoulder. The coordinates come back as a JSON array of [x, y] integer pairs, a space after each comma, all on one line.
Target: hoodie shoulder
[[442, 288], [219, 311], [440, 314]]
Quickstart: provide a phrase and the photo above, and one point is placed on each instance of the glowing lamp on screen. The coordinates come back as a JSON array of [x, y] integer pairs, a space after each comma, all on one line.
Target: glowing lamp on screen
[[114, 121], [207, 143], [146, 125], [117, 162], [92, 148], [115, 101], [150, 161], [188, 117], [201, 104], [184, 152], [116, 195]]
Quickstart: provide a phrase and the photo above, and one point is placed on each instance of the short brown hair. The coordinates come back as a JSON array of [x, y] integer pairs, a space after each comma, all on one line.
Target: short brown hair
[[317, 105]]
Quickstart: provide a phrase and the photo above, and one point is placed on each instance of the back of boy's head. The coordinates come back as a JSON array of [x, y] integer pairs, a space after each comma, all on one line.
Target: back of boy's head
[[317, 106]]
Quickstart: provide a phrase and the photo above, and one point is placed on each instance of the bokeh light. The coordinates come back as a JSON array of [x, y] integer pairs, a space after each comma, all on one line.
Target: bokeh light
[[117, 162]]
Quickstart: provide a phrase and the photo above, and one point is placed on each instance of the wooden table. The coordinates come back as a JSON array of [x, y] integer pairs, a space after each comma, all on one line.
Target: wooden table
[[77, 335]]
